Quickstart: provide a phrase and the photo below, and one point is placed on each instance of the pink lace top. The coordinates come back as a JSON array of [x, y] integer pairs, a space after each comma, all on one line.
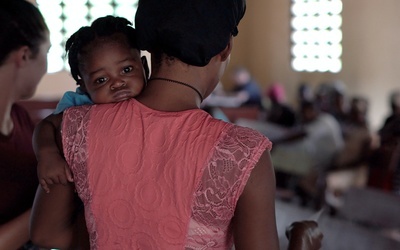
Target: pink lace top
[[158, 180]]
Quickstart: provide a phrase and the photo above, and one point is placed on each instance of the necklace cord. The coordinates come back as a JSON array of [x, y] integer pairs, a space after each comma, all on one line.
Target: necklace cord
[[178, 82]]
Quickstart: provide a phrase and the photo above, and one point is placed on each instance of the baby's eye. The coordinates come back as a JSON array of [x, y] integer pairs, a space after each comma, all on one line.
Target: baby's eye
[[101, 80], [127, 69]]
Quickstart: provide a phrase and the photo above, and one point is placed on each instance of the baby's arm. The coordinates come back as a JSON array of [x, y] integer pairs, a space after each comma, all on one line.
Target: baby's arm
[[52, 167], [57, 219]]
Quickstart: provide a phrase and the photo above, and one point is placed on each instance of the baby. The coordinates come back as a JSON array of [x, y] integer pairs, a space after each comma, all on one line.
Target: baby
[[107, 66]]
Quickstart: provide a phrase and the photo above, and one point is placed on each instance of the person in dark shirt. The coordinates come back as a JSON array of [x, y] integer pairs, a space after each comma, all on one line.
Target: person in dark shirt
[[279, 111], [395, 108], [24, 43]]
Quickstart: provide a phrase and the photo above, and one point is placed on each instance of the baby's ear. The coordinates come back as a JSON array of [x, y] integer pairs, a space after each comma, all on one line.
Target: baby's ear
[[81, 85], [145, 67]]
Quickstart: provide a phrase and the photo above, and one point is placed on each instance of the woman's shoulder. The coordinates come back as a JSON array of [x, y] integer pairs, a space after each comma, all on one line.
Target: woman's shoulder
[[246, 136], [77, 112], [21, 116], [19, 110]]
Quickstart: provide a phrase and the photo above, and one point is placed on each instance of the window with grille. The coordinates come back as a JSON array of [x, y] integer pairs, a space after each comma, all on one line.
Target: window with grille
[[64, 17], [316, 35]]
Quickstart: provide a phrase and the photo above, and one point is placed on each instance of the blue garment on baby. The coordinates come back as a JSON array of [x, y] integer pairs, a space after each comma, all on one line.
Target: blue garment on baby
[[71, 99]]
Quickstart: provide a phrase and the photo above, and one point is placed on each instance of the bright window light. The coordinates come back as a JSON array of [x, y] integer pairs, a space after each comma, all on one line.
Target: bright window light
[[316, 35], [64, 17]]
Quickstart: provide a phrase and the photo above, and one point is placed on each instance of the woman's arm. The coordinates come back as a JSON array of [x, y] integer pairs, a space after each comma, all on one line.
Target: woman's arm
[[304, 235], [15, 233], [56, 220], [254, 220]]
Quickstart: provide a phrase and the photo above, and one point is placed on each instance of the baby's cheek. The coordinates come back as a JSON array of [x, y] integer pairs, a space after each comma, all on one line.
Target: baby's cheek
[[98, 98]]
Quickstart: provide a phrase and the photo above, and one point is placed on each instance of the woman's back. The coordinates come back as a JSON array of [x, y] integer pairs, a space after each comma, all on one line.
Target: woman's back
[[176, 175]]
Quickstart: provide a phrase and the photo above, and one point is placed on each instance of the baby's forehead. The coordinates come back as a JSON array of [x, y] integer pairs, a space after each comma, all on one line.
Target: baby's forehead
[[106, 49], [117, 39], [107, 46]]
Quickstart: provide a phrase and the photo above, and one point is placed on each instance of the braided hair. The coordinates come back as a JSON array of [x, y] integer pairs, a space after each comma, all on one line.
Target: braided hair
[[101, 28]]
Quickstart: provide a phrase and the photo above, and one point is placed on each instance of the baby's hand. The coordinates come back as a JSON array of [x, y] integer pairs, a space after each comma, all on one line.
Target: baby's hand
[[54, 170]]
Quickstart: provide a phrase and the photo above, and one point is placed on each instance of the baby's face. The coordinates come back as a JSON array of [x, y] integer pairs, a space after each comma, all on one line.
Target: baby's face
[[111, 71]]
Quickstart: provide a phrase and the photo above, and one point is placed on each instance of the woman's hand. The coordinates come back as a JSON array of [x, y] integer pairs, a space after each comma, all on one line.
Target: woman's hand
[[304, 235]]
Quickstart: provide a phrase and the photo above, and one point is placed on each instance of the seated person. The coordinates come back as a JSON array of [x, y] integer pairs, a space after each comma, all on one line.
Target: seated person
[[357, 136], [246, 87], [394, 106], [278, 111], [307, 151], [350, 166]]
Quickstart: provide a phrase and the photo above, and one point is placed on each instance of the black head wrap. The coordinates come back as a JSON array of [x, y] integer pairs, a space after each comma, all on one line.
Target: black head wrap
[[191, 30]]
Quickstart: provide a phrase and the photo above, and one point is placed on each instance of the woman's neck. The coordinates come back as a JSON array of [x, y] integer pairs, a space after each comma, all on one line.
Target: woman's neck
[[6, 123], [7, 83], [175, 87], [168, 96]]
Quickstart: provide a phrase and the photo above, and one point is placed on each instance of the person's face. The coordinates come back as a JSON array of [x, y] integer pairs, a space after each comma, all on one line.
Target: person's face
[[241, 77], [358, 111], [111, 71], [308, 114], [35, 69]]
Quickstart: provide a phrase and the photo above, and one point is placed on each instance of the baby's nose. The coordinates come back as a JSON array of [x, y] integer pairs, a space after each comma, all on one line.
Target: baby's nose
[[119, 83]]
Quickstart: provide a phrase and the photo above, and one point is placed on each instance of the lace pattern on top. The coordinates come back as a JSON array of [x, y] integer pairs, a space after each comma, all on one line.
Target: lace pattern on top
[[224, 178], [75, 131]]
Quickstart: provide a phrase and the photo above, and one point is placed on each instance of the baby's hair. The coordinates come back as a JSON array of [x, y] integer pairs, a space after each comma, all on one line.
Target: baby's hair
[[101, 27], [21, 24]]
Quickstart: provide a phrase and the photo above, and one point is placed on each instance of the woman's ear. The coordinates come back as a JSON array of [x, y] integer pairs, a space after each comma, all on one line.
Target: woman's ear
[[22, 56], [227, 51]]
